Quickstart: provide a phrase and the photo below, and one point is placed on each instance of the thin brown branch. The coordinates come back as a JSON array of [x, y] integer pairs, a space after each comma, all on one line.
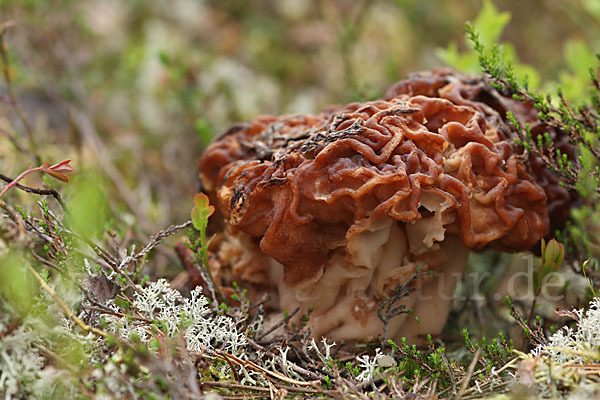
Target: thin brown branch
[[467, 377], [105, 310], [154, 241], [237, 386], [258, 368], [309, 374], [279, 324], [10, 328], [55, 357], [41, 192], [13, 216], [103, 254]]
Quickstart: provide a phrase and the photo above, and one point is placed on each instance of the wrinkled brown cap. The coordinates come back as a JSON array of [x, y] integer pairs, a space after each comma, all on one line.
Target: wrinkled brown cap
[[473, 91], [306, 184]]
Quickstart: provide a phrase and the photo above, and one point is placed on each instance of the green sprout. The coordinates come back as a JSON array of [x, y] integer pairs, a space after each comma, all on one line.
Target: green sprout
[[200, 213]]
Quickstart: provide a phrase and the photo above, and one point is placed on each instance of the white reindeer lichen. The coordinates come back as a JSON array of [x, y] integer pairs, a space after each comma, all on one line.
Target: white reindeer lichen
[[190, 317], [565, 361], [575, 345], [368, 365]]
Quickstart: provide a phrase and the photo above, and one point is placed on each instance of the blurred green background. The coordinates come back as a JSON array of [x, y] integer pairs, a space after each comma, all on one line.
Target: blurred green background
[[135, 89]]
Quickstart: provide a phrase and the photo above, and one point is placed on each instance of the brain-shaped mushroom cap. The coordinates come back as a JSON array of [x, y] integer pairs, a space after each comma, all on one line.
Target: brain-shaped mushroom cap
[[430, 156], [475, 92]]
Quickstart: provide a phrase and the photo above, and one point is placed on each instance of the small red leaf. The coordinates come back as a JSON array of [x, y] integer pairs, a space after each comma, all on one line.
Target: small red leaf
[[57, 175], [58, 171], [62, 167]]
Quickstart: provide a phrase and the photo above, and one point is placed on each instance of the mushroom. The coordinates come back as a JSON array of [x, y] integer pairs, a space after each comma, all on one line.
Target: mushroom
[[334, 211], [473, 91]]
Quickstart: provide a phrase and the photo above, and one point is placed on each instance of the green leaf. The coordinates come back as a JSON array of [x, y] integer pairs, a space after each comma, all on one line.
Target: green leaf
[[467, 62], [164, 58], [88, 204], [593, 8], [553, 254], [579, 58], [522, 70], [584, 266], [490, 23], [17, 287], [204, 131], [201, 211]]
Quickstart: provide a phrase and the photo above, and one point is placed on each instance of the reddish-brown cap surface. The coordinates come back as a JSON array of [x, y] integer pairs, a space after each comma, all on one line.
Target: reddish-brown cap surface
[[437, 149]]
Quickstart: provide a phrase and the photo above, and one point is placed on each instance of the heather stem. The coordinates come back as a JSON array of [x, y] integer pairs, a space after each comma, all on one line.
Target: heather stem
[[18, 178]]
